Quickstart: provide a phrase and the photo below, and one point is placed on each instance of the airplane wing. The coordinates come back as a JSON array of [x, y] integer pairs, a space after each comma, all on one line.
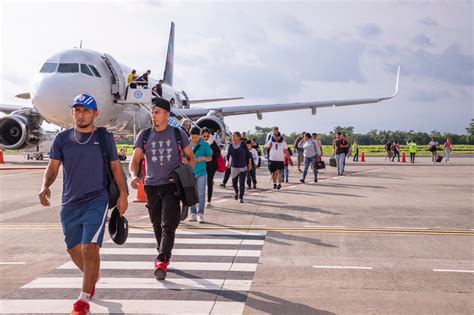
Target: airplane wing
[[194, 113], [7, 109]]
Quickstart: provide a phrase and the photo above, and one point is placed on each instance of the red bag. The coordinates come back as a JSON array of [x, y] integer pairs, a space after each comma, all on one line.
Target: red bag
[[220, 162]]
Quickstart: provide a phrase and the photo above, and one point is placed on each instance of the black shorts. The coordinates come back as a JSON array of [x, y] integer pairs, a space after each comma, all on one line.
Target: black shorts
[[276, 165]]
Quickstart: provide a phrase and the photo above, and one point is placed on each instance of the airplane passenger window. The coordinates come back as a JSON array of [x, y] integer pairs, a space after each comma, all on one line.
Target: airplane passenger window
[[94, 69], [49, 67], [68, 68], [85, 69]]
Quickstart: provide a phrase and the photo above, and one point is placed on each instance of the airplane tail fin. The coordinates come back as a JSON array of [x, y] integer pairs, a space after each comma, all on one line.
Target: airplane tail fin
[[168, 74]]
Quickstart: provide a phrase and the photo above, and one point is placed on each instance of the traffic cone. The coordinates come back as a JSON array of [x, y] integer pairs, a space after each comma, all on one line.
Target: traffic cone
[[1, 156], [404, 157], [141, 195], [362, 157]]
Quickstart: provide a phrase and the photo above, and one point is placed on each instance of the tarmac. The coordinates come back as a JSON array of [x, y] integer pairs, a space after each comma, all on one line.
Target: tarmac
[[390, 238]]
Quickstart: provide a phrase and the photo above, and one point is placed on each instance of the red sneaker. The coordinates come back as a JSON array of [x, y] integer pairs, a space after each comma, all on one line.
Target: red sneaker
[[160, 269], [80, 308]]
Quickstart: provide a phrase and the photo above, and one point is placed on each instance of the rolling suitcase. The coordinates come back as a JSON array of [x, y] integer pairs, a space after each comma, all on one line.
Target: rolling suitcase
[[439, 158]]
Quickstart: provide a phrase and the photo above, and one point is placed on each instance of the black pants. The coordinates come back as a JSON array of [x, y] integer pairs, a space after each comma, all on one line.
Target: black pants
[[412, 158], [396, 154], [356, 156], [226, 176], [164, 210], [240, 189], [251, 177], [211, 172]]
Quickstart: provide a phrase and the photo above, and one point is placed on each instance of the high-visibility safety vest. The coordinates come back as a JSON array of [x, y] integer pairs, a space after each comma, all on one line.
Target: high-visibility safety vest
[[355, 146], [412, 147]]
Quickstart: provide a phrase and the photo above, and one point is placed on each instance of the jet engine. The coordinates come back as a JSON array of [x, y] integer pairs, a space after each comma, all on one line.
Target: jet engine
[[215, 123], [21, 129]]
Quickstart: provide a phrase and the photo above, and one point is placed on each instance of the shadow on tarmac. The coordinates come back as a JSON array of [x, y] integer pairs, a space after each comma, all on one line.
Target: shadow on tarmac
[[276, 237], [274, 305]]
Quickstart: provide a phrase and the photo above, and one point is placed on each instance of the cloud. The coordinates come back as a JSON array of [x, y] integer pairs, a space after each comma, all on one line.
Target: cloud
[[429, 95], [369, 31], [451, 66], [427, 21], [422, 40], [292, 25]]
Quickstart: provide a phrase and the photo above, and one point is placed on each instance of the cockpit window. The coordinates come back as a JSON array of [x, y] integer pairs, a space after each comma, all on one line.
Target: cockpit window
[[85, 69], [49, 67], [68, 68], [94, 69]]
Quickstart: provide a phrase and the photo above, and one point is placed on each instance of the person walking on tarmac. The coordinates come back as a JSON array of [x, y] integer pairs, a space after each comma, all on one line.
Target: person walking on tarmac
[[202, 153], [84, 198], [412, 150], [277, 150], [162, 145], [340, 145], [311, 151], [240, 163], [211, 166], [298, 145]]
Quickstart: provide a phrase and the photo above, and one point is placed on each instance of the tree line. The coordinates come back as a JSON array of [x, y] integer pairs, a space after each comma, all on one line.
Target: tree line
[[375, 136]]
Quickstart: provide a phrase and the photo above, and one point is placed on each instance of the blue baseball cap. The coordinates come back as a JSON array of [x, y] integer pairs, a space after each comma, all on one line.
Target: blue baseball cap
[[84, 100]]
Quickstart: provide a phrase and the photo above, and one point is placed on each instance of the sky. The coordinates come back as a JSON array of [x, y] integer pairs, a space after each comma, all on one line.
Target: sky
[[270, 52]]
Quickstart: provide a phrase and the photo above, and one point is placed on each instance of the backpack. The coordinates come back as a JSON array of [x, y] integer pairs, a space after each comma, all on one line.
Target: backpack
[[108, 180]]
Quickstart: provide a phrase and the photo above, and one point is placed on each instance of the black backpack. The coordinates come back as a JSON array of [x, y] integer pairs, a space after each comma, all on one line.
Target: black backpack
[[109, 181]]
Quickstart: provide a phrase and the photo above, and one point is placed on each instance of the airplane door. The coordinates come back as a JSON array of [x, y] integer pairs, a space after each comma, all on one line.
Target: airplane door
[[119, 84]]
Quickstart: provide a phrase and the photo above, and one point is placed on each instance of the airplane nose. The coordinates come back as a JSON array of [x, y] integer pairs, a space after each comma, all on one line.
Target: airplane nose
[[52, 93]]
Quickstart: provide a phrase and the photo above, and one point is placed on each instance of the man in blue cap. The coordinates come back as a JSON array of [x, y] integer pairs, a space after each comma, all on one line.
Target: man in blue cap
[[84, 198]]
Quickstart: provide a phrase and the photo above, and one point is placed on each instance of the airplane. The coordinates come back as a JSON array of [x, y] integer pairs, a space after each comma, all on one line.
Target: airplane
[[123, 110]]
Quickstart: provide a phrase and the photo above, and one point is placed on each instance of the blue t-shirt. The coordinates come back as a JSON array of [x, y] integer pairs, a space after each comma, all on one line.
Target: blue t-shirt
[[203, 150], [83, 166], [161, 154]]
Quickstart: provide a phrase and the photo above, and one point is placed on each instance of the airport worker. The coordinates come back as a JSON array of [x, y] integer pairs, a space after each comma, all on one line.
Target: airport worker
[[240, 161], [277, 149], [355, 150], [211, 166], [310, 152], [132, 77], [412, 149], [85, 197], [162, 146], [202, 154]]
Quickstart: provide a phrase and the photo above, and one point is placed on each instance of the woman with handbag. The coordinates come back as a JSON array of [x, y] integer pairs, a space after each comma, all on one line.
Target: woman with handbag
[[310, 153]]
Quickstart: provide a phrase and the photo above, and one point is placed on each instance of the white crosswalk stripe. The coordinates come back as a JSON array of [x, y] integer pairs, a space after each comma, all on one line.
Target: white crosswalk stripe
[[211, 272]]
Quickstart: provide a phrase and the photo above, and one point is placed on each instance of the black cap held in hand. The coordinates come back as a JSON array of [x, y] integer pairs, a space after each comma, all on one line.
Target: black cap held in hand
[[161, 103], [118, 227]]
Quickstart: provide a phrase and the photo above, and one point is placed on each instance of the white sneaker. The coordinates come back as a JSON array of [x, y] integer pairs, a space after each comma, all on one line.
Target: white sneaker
[[192, 218], [200, 218]]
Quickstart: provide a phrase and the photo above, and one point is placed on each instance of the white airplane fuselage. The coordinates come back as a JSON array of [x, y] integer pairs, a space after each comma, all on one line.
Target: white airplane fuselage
[[52, 92]]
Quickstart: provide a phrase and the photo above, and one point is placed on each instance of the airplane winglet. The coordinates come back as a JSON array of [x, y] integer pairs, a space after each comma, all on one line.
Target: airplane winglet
[[396, 86]]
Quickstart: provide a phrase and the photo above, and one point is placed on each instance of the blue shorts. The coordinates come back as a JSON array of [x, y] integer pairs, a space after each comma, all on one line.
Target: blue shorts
[[85, 224]]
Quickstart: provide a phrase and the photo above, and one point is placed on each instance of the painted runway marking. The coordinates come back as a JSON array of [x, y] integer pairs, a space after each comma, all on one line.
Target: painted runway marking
[[453, 270], [212, 241], [324, 226], [406, 228], [195, 283], [183, 252], [142, 283], [342, 267], [110, 306], [12, 262], [20, 174]]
